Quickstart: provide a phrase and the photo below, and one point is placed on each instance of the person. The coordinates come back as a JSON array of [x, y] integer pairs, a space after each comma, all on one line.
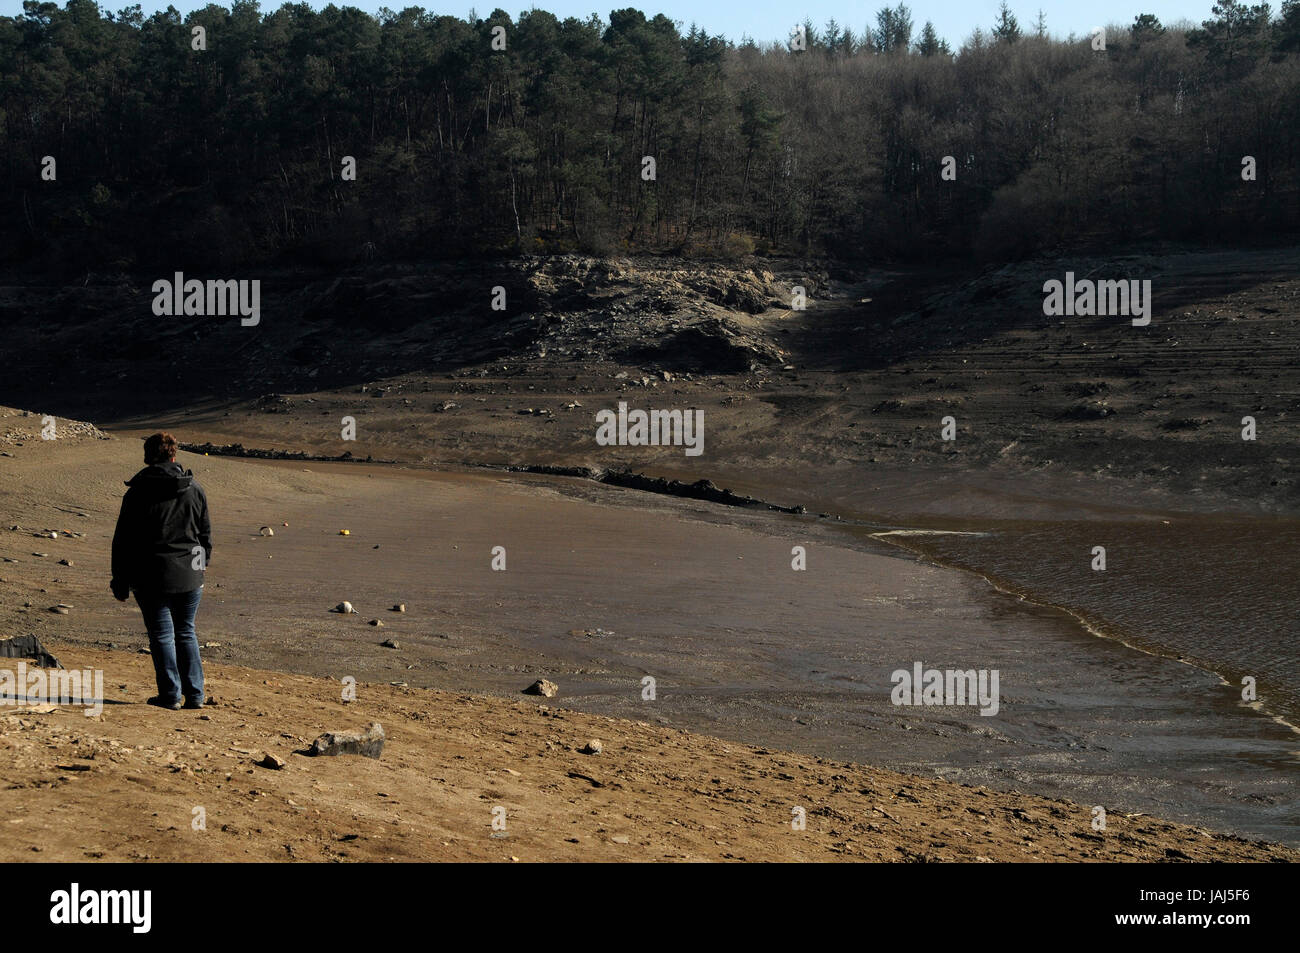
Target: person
[[161, 549]]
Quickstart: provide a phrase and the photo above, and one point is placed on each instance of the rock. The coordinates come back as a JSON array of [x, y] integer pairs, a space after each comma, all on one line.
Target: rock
[[345, 532], [65, 562], [266, 531], [345, 608], [27, 646], [272, 762], [389, 644], [376, 623], [400, 607], [592, 747], [369, 743], [546, 689], [61, 610]]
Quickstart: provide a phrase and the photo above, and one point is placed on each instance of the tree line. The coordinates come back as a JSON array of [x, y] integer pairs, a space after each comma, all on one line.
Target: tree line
[[234, 135]]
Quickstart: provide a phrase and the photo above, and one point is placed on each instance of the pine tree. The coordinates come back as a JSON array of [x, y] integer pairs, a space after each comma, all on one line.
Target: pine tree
[[1007, 29]]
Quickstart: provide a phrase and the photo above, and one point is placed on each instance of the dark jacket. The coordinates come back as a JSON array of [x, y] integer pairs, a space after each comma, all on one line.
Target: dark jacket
[[164, 517]]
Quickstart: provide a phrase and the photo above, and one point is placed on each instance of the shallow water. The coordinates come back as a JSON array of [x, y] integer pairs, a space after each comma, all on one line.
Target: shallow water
[[703, 599], [1220, 592]]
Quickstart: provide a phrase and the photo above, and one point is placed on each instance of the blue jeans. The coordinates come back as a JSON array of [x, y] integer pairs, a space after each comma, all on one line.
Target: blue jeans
[[169, 617]]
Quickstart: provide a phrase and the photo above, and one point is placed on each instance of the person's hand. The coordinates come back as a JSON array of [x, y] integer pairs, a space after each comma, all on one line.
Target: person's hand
[[120, 591]]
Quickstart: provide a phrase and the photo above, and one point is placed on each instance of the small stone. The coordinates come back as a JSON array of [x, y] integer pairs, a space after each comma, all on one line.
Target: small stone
[[65, 562], [389, 644], [61, 610], [266, 531], [619, 838], [592, 747], [344, 532], [345, 608], [543, 687], [376, 623], [272, 762], [400, 607]]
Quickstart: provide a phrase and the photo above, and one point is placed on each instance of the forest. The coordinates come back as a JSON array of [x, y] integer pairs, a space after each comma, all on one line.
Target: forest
[[237, 136]]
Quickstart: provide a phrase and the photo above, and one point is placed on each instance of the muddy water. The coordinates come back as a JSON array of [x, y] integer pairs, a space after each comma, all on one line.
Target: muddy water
[[1221, 593], [1217, 590]]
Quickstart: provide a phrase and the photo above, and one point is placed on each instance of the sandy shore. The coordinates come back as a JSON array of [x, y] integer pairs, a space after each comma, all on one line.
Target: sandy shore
[[132, 783], [606, 587]]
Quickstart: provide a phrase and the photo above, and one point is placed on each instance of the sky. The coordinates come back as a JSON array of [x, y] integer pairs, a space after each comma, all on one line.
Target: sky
[[766, 20]]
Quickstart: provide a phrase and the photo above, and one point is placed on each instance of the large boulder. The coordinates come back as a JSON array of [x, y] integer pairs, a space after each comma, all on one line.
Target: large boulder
[[368, 743], [27, 646]]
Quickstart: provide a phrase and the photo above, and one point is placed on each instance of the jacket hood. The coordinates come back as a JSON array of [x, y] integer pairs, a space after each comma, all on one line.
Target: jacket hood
[[163, 480]]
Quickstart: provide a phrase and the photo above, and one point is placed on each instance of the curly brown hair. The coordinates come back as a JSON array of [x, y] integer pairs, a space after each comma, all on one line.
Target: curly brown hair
[[160, 448]]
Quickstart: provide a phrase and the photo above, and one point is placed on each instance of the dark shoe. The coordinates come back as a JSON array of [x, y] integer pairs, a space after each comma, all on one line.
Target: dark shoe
[[174, 704], [193, 703]]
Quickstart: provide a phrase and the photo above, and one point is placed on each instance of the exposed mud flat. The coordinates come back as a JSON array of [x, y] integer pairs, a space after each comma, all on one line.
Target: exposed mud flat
[[599, 593]]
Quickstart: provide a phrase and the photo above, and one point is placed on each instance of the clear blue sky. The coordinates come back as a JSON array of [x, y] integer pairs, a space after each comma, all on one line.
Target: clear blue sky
[[767, 20]]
